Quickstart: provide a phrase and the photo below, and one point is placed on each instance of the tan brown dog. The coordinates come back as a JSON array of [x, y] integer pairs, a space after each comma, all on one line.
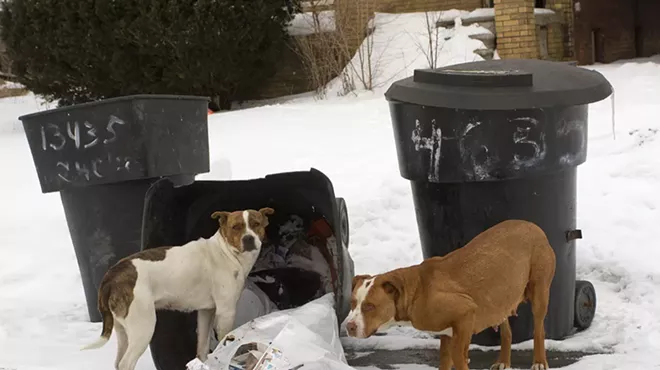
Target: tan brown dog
[[461, 294]]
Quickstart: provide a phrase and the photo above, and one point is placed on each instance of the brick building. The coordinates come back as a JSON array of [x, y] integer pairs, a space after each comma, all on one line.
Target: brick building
[[534, 29], [586, 31], [607, 30]]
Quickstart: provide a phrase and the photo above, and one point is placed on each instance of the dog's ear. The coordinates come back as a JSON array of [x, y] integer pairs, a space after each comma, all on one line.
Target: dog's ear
[[220, 216], [358, 279], [392, 285], [266, 211]]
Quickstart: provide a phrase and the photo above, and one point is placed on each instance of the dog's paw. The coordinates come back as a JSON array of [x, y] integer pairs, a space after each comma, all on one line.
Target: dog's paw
[[499, 366], [540, 366]]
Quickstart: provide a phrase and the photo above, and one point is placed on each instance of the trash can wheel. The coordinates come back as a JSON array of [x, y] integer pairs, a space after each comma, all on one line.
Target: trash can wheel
[[343, 221], [585, 304]]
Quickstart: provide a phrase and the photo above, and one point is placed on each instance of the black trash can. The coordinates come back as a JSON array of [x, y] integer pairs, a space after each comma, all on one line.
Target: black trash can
[[176, 215], [488, 141], [103, 157]]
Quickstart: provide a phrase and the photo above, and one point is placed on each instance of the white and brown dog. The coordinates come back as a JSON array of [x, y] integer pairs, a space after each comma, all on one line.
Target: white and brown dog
[[461, 294], [204, 275]]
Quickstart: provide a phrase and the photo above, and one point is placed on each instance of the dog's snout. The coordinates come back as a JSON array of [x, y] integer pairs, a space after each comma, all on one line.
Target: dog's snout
[[249, 243], [351, 327]]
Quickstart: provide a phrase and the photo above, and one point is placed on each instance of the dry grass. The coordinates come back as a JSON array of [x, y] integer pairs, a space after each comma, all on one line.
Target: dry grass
[[325, 55]]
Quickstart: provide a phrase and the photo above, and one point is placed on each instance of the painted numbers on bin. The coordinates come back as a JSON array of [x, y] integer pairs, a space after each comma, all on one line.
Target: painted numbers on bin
[[431, 143], [82, 135], [526, 127], [478, 155], [70, 171], [527, 140]]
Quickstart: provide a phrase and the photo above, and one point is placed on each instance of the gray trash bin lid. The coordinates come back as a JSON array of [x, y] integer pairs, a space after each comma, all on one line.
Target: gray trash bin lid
[[502, 85]]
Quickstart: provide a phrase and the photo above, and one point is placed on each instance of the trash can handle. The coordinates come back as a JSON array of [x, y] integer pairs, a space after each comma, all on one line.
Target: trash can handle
[[573, 234]]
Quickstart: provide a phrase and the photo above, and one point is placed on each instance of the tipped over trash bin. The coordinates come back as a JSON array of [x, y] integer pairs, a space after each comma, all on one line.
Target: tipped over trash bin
[[103, 157], [304, 257], [488, 141]]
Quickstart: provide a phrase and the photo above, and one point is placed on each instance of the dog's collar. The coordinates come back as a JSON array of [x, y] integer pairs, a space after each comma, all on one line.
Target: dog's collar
[[241, 259]]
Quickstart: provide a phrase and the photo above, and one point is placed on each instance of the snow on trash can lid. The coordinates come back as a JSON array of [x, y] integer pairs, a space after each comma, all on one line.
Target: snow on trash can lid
[[502, 85]]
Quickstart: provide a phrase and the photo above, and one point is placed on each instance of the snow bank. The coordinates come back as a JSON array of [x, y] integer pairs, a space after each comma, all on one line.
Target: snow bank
[[483, 14], [399, 45], [490, 13], [450, 15], [10, 85], [480, 13], [303, 24], [543, 11], [12, 108]]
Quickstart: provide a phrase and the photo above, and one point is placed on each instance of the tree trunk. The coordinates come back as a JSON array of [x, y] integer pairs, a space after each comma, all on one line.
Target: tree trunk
[[223, 102]]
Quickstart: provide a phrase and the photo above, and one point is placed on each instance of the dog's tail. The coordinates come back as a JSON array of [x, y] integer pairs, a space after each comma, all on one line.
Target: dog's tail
[[106, 315]]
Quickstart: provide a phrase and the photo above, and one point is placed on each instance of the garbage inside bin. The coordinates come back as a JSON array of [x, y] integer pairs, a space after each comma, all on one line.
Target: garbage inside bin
[[305, 336], [287, 274], [293, 270], [304, 256], [252, 303]]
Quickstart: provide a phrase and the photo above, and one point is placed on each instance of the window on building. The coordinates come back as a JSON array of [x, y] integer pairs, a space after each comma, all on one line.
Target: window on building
[[597, 46], [539, 3], [488, 3], [639, 42]]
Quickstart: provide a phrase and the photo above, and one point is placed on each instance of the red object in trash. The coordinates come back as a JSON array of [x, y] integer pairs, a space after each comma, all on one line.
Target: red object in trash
[[321, 228]]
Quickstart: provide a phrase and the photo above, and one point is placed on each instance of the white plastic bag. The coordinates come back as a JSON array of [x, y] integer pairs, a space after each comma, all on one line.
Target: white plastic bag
[[305, 337]]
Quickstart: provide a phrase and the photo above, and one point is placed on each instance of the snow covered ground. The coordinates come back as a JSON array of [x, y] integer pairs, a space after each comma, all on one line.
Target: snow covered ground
[[43, 318]]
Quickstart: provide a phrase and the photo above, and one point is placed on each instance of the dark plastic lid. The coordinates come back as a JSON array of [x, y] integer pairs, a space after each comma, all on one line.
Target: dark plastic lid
[[114, 100], [502, 85]]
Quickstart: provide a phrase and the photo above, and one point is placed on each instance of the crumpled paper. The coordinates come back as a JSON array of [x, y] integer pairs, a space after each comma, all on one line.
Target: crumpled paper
[[304, 337]]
